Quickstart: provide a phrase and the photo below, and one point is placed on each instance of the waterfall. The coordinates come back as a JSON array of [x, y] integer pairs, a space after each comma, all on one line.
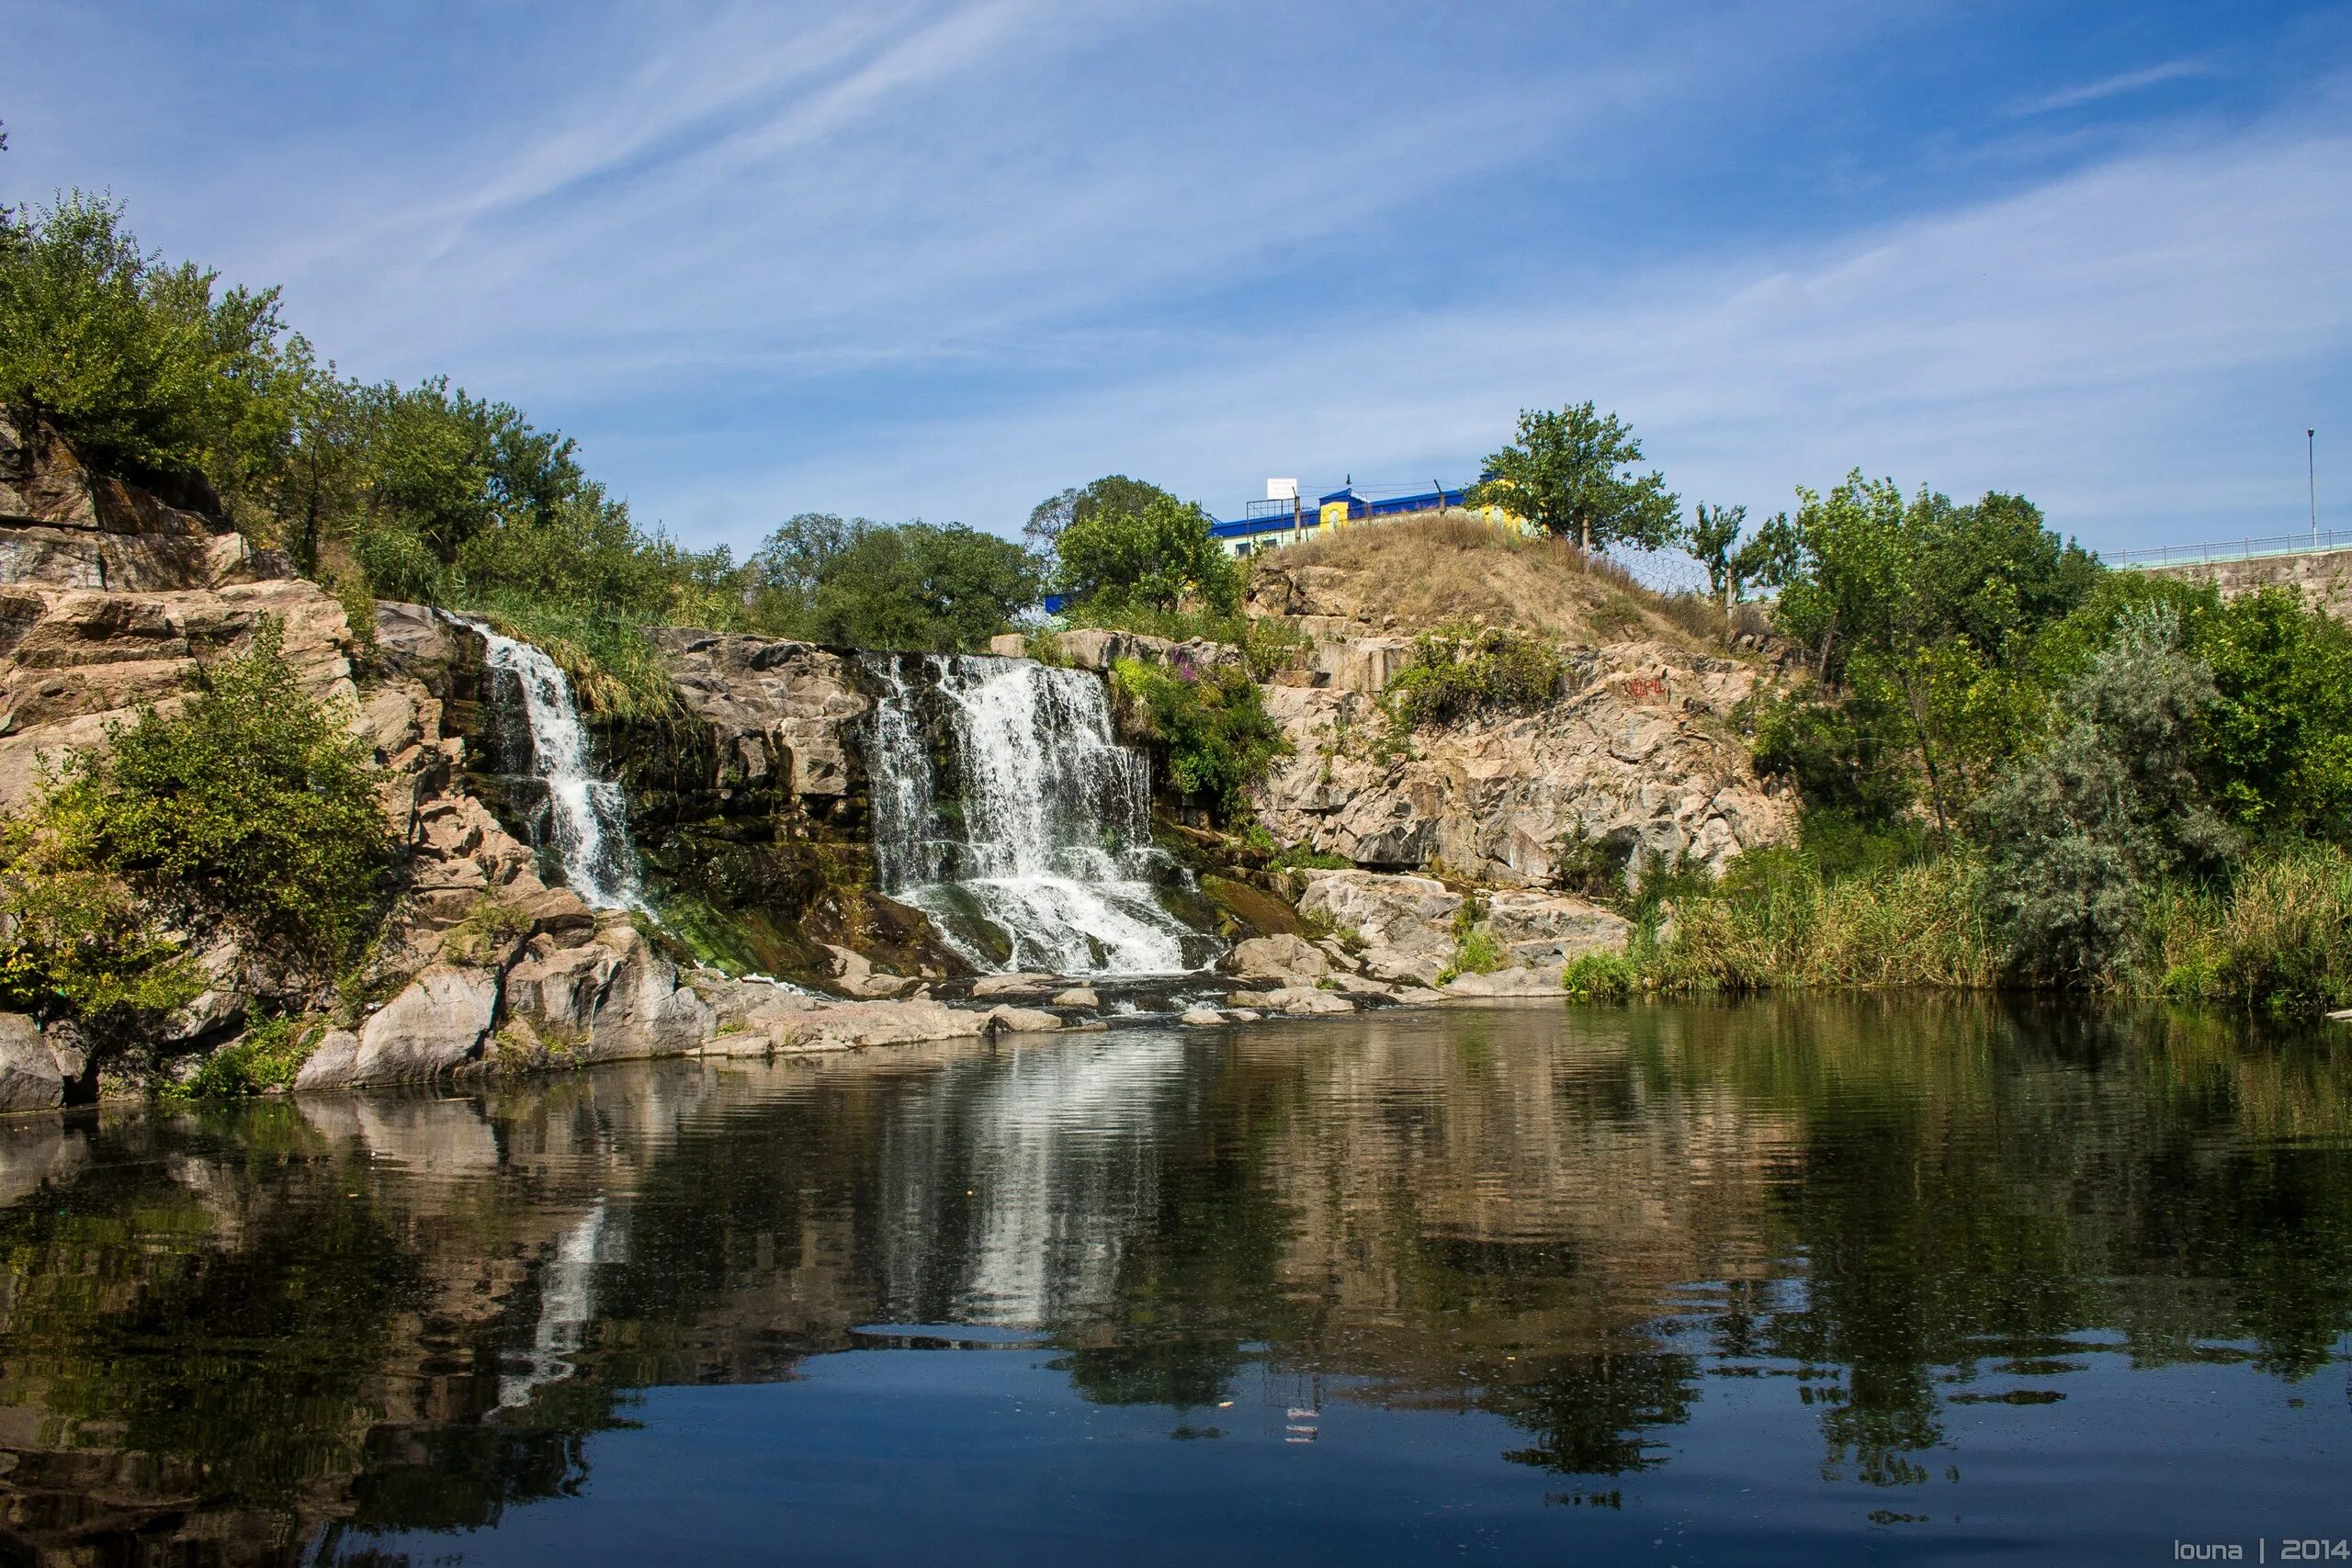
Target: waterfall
[[1041, 836], [587, 816]]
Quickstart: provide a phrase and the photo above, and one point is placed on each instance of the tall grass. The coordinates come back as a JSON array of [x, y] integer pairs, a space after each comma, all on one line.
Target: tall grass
[[615, 670], [2280, 939], [1777, 922], [2277, 940]]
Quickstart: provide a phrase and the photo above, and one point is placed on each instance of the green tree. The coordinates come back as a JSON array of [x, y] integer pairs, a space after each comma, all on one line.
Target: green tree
[[145, 366], [923, 586], [2082, 829], [1920, 619], [1569, 474], [1152, 558], [1112, 492], [2279, 741], [1711, 536]]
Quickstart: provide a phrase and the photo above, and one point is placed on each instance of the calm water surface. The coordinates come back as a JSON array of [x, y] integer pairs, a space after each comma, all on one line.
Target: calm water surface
[[1762, 1284]]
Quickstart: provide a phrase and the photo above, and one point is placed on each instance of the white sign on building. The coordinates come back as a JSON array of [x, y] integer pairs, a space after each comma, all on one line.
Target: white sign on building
[[1282, 489]]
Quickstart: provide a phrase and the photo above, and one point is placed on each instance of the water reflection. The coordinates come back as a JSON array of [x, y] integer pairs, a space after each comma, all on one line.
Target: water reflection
[[292, 1330]]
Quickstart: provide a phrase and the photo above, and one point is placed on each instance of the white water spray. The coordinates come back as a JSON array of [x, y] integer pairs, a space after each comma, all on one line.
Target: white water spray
[[587, 816], [1047, 837]]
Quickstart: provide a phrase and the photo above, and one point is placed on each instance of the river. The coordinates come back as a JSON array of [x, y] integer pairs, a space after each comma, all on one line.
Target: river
[[1779, 1282]]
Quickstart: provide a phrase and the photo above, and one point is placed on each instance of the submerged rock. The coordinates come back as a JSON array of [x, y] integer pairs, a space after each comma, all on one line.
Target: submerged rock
[[1514, 982]]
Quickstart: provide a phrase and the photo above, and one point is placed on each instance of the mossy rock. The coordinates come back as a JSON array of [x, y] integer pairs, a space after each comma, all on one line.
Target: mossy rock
[[1246, 912]]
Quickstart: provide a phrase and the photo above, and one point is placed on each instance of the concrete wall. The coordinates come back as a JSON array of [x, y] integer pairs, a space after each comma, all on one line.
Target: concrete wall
[[2324, 577]]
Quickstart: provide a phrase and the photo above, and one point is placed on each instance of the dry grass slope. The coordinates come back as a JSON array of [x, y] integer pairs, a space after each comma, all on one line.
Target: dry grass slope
[[1454, 567]]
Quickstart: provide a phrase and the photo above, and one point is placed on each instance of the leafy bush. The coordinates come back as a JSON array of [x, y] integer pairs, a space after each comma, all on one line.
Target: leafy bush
[[251, 808], [76, 941], [1478, 951], [1601, 977], [1591, 867], [1457, 672], [1209, 729], [268, 1055]]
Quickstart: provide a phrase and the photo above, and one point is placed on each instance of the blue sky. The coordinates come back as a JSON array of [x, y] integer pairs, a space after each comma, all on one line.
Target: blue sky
[[941, 259]]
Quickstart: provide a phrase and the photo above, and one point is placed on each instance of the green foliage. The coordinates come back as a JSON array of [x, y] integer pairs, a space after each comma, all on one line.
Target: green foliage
[[2081, 830], [1113, 493], [1568, 475], [1710, 537], [147, 366], [1458, 672], [2280, 939], [489, 925], [76, 943], [1919, 620], [268, 1056], [1209, 728], [1299, 857], [2279, 741], [251, 808], [1159, 557], [1591, 867], [1601, 977], [1478, 951], [916, 586]]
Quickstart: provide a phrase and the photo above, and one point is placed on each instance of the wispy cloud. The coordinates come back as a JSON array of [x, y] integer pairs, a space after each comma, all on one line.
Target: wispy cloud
[[2111, 343], [2113, 86]]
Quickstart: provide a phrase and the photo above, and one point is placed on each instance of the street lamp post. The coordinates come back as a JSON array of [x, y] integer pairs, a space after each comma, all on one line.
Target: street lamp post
[[2311, 478]]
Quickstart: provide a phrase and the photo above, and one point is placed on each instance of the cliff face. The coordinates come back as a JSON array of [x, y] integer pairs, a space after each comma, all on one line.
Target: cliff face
[[1638, 756], [751, 809]]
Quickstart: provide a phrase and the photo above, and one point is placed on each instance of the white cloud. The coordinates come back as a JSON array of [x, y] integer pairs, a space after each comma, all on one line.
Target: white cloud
[[2113, 86], [2113, 343]]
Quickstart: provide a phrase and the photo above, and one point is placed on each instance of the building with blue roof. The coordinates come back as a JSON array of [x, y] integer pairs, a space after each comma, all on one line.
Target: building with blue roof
[[1285, 518]]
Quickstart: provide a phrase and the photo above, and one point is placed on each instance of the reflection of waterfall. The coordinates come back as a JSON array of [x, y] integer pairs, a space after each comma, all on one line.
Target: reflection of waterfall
[[567, 1300], [1057, 1151], [1041, 847], [587, 816]]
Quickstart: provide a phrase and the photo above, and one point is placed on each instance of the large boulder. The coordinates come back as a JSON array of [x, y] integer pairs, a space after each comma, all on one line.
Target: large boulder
[[434, 1026], [29, 1076], [644, 1010], [1406, 923], [557, 988], [1277, 958], [331, 1061]]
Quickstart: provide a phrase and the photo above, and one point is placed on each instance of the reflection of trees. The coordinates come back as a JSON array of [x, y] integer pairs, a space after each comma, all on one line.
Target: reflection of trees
[[1594, 1414], [1567, 1223]]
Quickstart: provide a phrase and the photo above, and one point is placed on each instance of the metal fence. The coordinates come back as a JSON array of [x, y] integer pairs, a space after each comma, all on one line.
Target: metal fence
[[2302, 544]]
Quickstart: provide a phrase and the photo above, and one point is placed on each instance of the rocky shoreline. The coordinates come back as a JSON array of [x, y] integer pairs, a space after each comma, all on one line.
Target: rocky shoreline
[[580, 989]]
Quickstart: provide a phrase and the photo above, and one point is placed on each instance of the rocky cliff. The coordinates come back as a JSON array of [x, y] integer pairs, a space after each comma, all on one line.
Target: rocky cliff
[[1638, 756]]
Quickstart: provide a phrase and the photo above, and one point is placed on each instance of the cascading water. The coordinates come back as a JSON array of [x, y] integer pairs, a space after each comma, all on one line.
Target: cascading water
[[1041, 840], [587, 816]]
